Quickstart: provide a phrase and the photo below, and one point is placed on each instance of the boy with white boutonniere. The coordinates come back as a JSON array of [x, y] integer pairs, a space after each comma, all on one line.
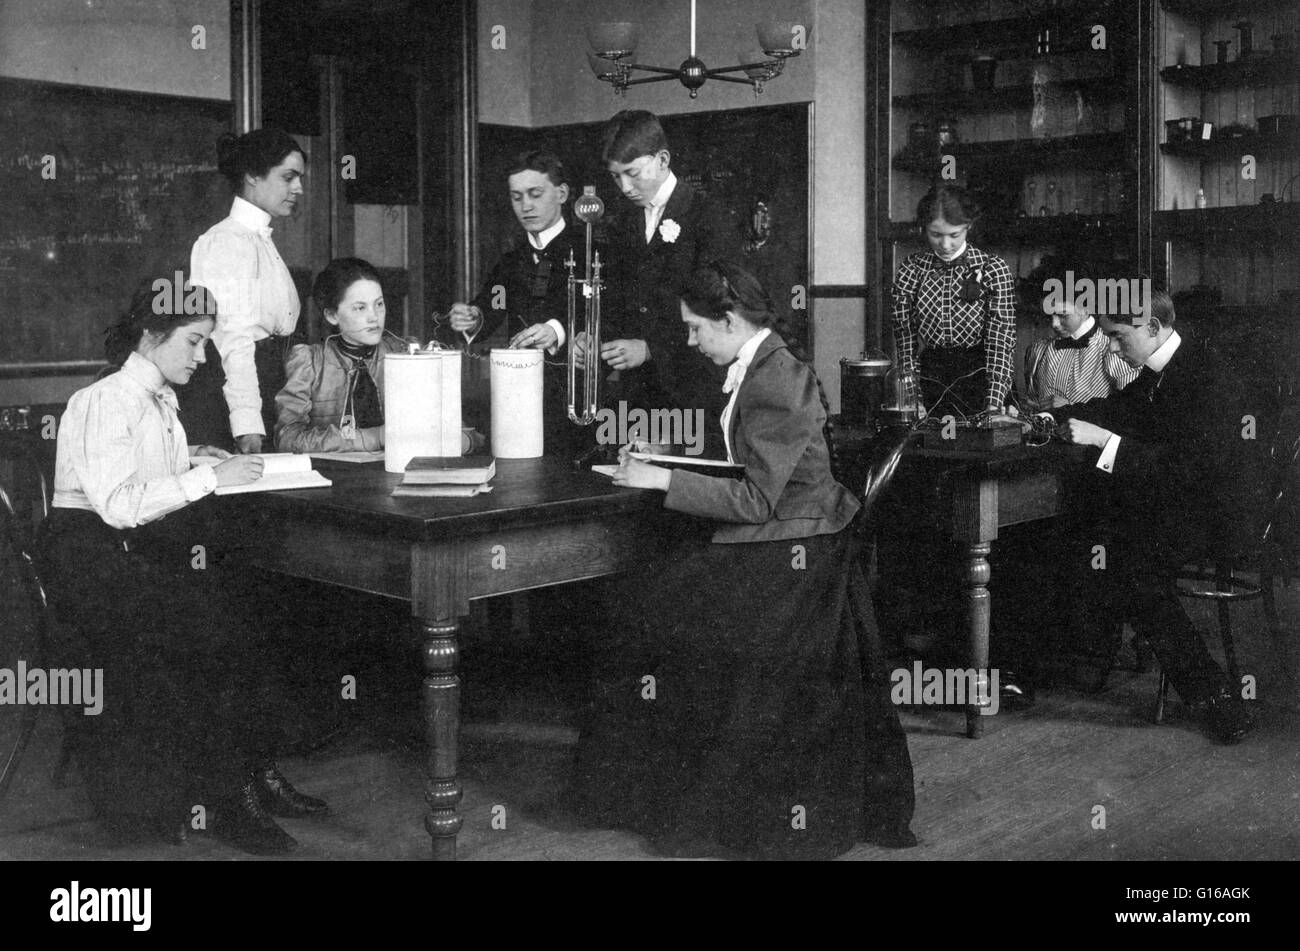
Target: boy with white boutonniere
[[666, 232]]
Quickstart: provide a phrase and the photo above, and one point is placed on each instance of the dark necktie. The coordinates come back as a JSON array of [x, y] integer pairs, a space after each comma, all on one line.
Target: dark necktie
[[971, 287], [1070, 343], [1148, 382], [367, 411]]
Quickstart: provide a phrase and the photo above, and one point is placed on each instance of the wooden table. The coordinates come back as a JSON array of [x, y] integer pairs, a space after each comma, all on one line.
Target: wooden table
[[544, 523], [969, 496]]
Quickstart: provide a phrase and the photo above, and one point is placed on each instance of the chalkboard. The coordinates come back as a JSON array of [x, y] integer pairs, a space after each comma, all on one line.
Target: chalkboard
[[101, 189], [738, 157]]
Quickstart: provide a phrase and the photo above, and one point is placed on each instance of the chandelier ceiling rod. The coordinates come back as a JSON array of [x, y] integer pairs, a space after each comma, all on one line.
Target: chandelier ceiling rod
[[613, 45]]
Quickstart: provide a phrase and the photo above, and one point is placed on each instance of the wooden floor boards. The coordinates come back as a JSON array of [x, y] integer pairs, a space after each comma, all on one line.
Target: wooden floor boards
[[1030, 789]]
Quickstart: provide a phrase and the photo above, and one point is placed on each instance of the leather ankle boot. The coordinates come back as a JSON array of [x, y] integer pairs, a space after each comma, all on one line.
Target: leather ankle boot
[[280, 798], [244, 823]]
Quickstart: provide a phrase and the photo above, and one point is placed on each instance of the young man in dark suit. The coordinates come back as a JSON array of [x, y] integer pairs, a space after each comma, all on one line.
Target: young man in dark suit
[[527, 289], [1176, 471], [668, 231]]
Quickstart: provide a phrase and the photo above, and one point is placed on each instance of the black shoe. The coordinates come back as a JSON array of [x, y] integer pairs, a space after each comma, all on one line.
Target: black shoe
[[279, 797], [1224, 716], [242, 822], [891, 836], [685, 845]]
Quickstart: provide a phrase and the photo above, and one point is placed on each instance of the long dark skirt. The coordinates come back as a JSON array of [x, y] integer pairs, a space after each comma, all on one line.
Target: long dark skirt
[[203, 403], [741, 699], [188, 705]]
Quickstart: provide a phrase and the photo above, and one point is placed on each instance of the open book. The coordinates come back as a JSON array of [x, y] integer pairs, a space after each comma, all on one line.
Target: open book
[[283, 470], [709, 467]]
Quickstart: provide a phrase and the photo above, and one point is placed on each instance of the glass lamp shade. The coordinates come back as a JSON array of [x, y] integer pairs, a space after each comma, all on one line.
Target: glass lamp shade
[[612, 40], [603, 68], [776, 37], [749, 57]]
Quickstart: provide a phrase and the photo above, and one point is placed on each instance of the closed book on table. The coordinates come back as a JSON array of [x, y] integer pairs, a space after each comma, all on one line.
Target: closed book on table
[[449, 470]]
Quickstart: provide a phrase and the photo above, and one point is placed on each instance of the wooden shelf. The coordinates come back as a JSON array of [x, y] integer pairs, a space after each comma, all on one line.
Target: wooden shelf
[[1026, 230], [1003, 97], [1231, 313], [1218, 8], [1096, 149], [1197, 222], [1232, 146], [1071, 32], [1264, 69]]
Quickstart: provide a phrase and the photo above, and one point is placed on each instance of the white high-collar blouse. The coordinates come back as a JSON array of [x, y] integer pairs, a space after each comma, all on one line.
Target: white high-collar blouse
[[238, 262], [122, 451]]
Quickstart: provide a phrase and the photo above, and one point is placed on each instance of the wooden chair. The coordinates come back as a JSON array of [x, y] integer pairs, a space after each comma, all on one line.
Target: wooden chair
[[26, 631], [25, 634], [1264, 551], [884, 456]]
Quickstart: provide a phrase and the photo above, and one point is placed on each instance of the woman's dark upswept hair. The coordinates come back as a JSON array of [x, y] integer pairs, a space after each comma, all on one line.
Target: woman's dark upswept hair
[[340, 274], [150, 312], [721, 287], [254, 153], [952, 203]]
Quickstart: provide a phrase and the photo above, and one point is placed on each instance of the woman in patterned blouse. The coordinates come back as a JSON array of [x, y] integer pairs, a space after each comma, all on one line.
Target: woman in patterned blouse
[[958, 301]]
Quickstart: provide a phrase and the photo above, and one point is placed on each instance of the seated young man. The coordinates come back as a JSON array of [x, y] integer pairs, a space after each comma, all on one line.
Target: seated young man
[[1174, 472]]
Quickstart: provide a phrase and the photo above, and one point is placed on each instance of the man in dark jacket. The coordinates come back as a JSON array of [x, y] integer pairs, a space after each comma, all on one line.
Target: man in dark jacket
[[666, 233], [1177, 468], [527, 289]]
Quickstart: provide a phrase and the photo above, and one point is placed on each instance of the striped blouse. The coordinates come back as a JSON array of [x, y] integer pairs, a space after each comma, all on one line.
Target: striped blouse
[[1061, 376]]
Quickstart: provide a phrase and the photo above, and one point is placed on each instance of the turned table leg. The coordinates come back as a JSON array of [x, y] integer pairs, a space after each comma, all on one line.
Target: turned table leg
[[978, 612], [441, 695]]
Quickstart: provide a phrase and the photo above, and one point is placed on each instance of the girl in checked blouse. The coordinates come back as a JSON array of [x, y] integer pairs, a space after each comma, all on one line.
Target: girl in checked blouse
[[957, 302]]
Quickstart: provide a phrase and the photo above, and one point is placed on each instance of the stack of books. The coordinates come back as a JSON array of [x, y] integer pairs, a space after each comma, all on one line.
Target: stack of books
[[447, 476]]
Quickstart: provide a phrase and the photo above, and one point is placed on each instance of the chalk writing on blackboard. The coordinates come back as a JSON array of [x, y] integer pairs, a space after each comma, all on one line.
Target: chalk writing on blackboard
[[103, 188]]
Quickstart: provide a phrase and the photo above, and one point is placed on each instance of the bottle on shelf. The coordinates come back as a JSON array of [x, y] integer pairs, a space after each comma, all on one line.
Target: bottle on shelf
[[1200, 198]]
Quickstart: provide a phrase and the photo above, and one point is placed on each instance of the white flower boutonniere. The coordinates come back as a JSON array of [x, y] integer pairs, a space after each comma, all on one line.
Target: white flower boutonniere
[[669, 230]]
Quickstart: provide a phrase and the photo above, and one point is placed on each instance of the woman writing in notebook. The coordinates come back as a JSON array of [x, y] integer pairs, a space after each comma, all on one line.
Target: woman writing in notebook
[[187, 718], [768, 728], [958, 303], [332, 400]]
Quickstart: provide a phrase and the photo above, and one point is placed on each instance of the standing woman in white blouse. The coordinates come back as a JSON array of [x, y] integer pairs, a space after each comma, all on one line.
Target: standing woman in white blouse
[[189, 714], [257, 303]]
